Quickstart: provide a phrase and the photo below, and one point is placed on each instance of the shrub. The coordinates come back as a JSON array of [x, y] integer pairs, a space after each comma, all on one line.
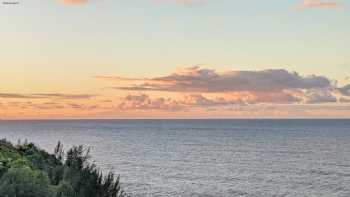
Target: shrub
[[65, 189], [24, 182], [27, 171]]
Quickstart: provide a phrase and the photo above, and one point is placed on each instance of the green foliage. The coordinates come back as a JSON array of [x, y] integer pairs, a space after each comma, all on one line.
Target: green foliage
[[40, 159], [56, 174], [77, 157], [24, 182], [65, 189], [10, 157], [26, 170], [59, 153], [86, 179]]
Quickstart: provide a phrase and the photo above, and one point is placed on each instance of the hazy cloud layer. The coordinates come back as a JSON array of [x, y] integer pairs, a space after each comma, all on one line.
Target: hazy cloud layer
[[45, 96], [73, 2], [305, 4], [65, 96], [319, 4], [198, 100], [182, 2], [344, 100], [16, 96], [144, 102], [191, 89]]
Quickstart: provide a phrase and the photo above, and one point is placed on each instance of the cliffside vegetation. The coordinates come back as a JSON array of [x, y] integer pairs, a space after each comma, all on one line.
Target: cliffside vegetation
[[28, 171]]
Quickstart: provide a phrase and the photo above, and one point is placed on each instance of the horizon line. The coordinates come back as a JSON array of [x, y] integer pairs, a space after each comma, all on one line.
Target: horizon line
[[110, 119]]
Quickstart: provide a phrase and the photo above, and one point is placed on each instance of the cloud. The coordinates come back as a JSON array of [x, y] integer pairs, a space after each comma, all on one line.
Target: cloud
[[182, 2], [45, 96], [46, 106], [283, 97], [319, 4], [16, 96], [39, 105], [196, 79], [320, 96], [73, 2], [117, 78], [345, 90], [65, 96], [344, 100], [32, 105], [145, 102], [247, 98], [192, 101], [277, 86], [198, 100]]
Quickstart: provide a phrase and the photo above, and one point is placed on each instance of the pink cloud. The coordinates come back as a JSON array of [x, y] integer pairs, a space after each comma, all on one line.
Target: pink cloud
[[196, 79], [319, 4], [181, 2], [276, 86], [145, 102], [73, 2]]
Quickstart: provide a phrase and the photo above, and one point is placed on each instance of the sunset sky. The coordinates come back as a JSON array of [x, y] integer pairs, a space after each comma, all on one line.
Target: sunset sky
[[174, 59]]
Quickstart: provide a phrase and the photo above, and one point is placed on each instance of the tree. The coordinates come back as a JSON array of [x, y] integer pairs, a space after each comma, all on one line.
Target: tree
[[28, 171], [59, 153], [24, 182], [65, 189]]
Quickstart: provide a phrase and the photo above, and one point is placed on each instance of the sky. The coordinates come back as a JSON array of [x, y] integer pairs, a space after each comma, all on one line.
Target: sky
[[174, 59]]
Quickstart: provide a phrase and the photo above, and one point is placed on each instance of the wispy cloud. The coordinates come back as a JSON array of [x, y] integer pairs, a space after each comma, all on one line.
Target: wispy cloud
[[182, 2], [179, 2], [45, 96], [73, 2], [51, 105], [65, 96], [16, 96], [319, 4]]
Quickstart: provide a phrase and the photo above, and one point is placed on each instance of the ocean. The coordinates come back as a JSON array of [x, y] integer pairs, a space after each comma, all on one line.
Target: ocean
[[207, 158]]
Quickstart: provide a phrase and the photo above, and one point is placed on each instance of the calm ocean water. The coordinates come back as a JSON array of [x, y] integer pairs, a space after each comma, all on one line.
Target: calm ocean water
[[216, 158]]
